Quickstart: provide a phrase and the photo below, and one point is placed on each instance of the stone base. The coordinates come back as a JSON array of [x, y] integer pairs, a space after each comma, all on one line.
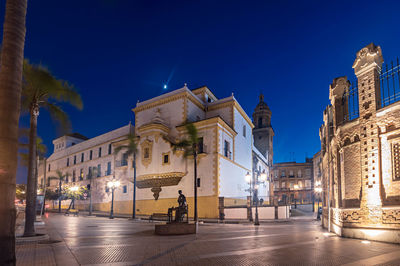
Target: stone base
[[373, 234], [175, 229]]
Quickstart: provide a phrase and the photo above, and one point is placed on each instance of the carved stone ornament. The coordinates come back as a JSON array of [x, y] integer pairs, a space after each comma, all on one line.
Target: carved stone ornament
[[371, 55], [146, 151], [156, 181], [156, 192]]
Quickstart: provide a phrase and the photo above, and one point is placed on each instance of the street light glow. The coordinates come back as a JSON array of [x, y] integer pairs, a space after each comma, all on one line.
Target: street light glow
[[165, 86], [113, 184], [75, 188], [248, 177], [263, 176]]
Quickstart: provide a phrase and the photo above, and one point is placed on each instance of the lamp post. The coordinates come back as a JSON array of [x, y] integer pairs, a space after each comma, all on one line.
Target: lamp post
[[259, 178], [113, 184], [248, 180], [318, 190]]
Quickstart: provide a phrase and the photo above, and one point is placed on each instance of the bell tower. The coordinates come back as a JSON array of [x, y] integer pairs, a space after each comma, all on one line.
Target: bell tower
[[262, 132]]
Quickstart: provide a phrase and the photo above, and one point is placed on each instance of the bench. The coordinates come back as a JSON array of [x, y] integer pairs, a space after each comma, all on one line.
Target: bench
[[159, 216], [72, 211]]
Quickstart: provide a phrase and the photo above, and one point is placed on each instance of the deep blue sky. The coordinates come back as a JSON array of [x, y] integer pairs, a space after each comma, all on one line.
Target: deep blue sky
[[118, 52]]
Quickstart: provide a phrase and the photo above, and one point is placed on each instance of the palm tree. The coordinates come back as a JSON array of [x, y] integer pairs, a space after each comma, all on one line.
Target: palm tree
[[131, 149], [41, 89], [190, 146], [60, 177], [12, 55]]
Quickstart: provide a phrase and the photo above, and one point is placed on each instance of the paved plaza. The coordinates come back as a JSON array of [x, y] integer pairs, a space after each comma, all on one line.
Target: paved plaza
[[101, 241]]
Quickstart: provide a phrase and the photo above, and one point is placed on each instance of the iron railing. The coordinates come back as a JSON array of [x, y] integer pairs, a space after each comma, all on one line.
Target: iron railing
[[351, 97], [389, 77]]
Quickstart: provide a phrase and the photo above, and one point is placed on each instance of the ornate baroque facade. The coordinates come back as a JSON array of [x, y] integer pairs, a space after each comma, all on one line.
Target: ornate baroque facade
[[360, 157]]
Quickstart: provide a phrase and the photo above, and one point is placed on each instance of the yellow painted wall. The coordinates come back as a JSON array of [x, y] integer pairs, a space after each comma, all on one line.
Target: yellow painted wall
[[207, 206]]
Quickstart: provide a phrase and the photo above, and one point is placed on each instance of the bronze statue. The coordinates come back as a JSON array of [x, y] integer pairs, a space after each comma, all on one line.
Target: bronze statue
[[180, 211]]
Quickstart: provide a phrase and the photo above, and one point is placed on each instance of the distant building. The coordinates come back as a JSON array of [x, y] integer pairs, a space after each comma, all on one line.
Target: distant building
[[293, 182], [360, 149], [317, 175]]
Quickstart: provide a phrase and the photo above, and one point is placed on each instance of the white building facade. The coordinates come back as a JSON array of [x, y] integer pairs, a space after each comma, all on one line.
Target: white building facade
[[224, 130]]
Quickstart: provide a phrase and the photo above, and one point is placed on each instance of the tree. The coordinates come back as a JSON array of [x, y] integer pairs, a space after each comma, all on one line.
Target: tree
[[40, 89], [74, 193], [20, 192], [12, 55], [191, 147], [131, 149], [60, 177]]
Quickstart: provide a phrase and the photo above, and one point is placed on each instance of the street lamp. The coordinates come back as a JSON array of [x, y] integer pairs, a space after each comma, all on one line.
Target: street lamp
[[318, 190], [260, 178], [247, 177], [113, 184]]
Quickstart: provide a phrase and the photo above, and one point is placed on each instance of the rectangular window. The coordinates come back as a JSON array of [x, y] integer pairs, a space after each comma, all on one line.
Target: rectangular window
[[124, 160], [227, 151], [98, 170], [67, 178], [90, 155], [107, 189], [200, 145], [283, 173], [291, 174], [100, 152], [89, 172], [48, 168], [244, 131], [109, 168], [299, 173], [124, 189], [67, 162], [81, 175], [308, 172], [396, 160], [82, 157], [166, 159], [109, 148], [73, 176], [74, 159]]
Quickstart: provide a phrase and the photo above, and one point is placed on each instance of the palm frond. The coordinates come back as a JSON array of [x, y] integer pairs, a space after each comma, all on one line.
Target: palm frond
[[192, 132], [59, 117], [131, 147]]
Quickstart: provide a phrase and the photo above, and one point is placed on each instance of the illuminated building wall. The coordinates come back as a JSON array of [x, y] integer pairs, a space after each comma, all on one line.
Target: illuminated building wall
[[360, 156]]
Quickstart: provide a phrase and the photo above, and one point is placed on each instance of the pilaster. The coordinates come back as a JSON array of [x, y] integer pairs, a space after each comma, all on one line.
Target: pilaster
[[366, 67]]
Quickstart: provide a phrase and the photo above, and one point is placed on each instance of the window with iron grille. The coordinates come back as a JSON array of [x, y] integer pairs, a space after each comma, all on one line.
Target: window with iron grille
[[396, 160]]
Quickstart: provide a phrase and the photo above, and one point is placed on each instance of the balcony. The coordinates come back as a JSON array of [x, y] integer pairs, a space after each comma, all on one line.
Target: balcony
[[121, 163]]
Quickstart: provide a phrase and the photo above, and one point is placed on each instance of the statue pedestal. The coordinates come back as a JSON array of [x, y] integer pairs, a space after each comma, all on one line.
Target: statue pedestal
[[175, 229]]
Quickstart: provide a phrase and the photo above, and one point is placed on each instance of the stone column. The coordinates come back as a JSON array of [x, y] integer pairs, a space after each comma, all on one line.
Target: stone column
[[366, 67]]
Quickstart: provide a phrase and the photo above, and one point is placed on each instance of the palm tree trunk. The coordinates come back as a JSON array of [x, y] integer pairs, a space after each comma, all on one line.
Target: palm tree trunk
[[31, 189], [195, 185], [12, 55], [134, 187], [59, 196]]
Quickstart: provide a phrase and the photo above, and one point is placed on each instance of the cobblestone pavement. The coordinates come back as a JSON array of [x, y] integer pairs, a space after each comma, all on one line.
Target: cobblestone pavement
[[100, 241]]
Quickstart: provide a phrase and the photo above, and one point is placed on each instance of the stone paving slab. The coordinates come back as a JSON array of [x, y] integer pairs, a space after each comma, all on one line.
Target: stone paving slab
[[101, 241]]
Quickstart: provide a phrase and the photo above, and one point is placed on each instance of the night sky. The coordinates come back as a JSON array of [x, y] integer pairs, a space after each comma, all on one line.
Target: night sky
[[119, 52]]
